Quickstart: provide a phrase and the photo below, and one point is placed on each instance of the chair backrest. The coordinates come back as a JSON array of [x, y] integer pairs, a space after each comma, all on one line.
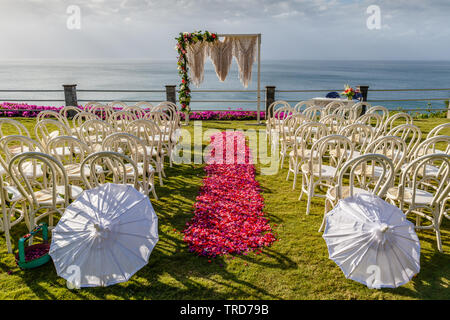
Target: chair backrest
[[358, 109], [416, 177], [69, 112], [149, 132], [102, 111], [374, 120], [93, 131], [68, 150], [306, 135], [334, 123], [49, 114], [119, 120], [15, 144], [409, 133], [390, 146], [314, 113], [303, 105], [118, 105], [337, 149], [436, 144], [377, 184], [330, 107], [346, 112], [380, 110], [116, 168], [361, 135], [144, 105], [47, 129], [139, 112], [437, 131], [131, 146], [54, 176], [403, 117], [276, 105], [12, 127], [82, 117]]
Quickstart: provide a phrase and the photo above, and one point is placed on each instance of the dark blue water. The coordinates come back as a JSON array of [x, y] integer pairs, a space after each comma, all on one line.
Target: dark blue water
[[285, 75]]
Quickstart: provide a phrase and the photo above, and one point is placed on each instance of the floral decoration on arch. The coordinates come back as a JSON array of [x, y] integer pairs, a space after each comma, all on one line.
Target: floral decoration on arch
[[183, 41]]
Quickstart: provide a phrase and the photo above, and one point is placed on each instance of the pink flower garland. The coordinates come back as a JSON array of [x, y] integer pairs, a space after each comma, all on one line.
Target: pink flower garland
[[229, 215]]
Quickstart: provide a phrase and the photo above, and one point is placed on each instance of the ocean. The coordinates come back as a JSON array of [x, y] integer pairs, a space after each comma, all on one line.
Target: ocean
[[285, 75]]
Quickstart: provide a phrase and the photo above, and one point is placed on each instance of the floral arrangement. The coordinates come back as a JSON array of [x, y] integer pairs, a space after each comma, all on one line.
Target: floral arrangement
[[183, 40], [229, 217], [10, 109], [349, 92]]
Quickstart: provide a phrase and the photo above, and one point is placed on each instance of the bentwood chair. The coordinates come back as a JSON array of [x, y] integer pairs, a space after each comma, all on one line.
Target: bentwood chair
[[424, 195], [349, 183]]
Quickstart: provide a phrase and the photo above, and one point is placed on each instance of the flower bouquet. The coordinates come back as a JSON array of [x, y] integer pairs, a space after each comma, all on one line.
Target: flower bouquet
[[349, 92]]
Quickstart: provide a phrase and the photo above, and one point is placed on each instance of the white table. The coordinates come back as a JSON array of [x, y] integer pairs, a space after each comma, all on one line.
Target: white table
[[324, 101]]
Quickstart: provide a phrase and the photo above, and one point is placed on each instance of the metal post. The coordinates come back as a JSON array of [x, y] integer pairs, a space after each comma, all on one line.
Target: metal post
[[70, 97], [364, 90], [447, 102], [171, 94], [270, 98]]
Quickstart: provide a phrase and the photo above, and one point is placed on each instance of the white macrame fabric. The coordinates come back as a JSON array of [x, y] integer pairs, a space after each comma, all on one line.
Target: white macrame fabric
[[244, 50], [196, 55], [221, 54]]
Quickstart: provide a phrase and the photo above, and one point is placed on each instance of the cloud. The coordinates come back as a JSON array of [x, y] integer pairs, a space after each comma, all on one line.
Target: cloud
[[291, 29]]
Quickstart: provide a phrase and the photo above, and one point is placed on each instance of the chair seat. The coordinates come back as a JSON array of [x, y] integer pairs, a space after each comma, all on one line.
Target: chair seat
[[75, 191], [430, 171], [306, 153], [370, 170], [331, 193], [13, 194], [422, 197], [74, 170], [31, 170], [325, 170], [140, 166], [18, 149], [354, 154], [64, 151]]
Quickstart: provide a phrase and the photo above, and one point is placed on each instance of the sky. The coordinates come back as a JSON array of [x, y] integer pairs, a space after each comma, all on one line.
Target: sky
[[297, 29]]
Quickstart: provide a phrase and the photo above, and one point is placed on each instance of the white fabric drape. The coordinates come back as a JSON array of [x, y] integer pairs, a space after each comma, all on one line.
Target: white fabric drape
[[196, 55], [221, 54], [244, 50]]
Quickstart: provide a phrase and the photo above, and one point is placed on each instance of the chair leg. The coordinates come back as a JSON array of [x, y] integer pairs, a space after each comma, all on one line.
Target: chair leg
[[310, 195]]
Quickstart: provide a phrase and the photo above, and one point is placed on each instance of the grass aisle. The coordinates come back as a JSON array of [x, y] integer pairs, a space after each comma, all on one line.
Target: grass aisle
[[295, 267]]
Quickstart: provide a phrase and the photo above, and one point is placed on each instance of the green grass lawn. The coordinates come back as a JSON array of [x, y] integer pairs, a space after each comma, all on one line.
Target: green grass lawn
[[295, 267]]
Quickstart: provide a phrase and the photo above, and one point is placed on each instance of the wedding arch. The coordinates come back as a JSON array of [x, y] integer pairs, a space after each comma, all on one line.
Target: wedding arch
[[184, 40]]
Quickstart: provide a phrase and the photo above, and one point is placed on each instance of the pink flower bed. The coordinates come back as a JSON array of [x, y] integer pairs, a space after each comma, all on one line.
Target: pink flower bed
[[229, 215]]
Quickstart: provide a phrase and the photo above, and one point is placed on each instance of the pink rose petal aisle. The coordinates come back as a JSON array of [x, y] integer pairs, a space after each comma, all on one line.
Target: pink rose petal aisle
[[229, 217]]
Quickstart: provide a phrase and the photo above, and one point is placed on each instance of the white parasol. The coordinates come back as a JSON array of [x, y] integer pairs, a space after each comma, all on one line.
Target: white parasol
[[372, 242], [105, 236]]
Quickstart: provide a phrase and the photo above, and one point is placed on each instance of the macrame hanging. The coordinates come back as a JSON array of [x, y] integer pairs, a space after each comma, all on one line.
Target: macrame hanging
[[245, 52], [196, 55], [221, 54]]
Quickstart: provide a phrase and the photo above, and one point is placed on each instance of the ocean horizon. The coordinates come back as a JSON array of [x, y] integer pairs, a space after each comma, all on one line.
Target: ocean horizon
[[142, 74]]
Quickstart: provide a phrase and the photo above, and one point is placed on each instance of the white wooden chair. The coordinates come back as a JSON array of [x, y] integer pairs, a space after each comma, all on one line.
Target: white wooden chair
[[119, 120], [149, 131], [71, 152], [54, 193], [68, 113], [93, 132], [137, 110], [334, 122], [302, 105], [304, 138], [438, 131], [390, 146], [102, 111], [409, 133], [401, 117], [116, 168], [331, 107], [349, 183], [12, 127], [318, 174], [424, 195], [46, 129], [374, 120], [313, 113], [357, 109], [290, 126], [360, 135], [117, 105], [383, 112], [135, 149], [271, 121], [10, 200]]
